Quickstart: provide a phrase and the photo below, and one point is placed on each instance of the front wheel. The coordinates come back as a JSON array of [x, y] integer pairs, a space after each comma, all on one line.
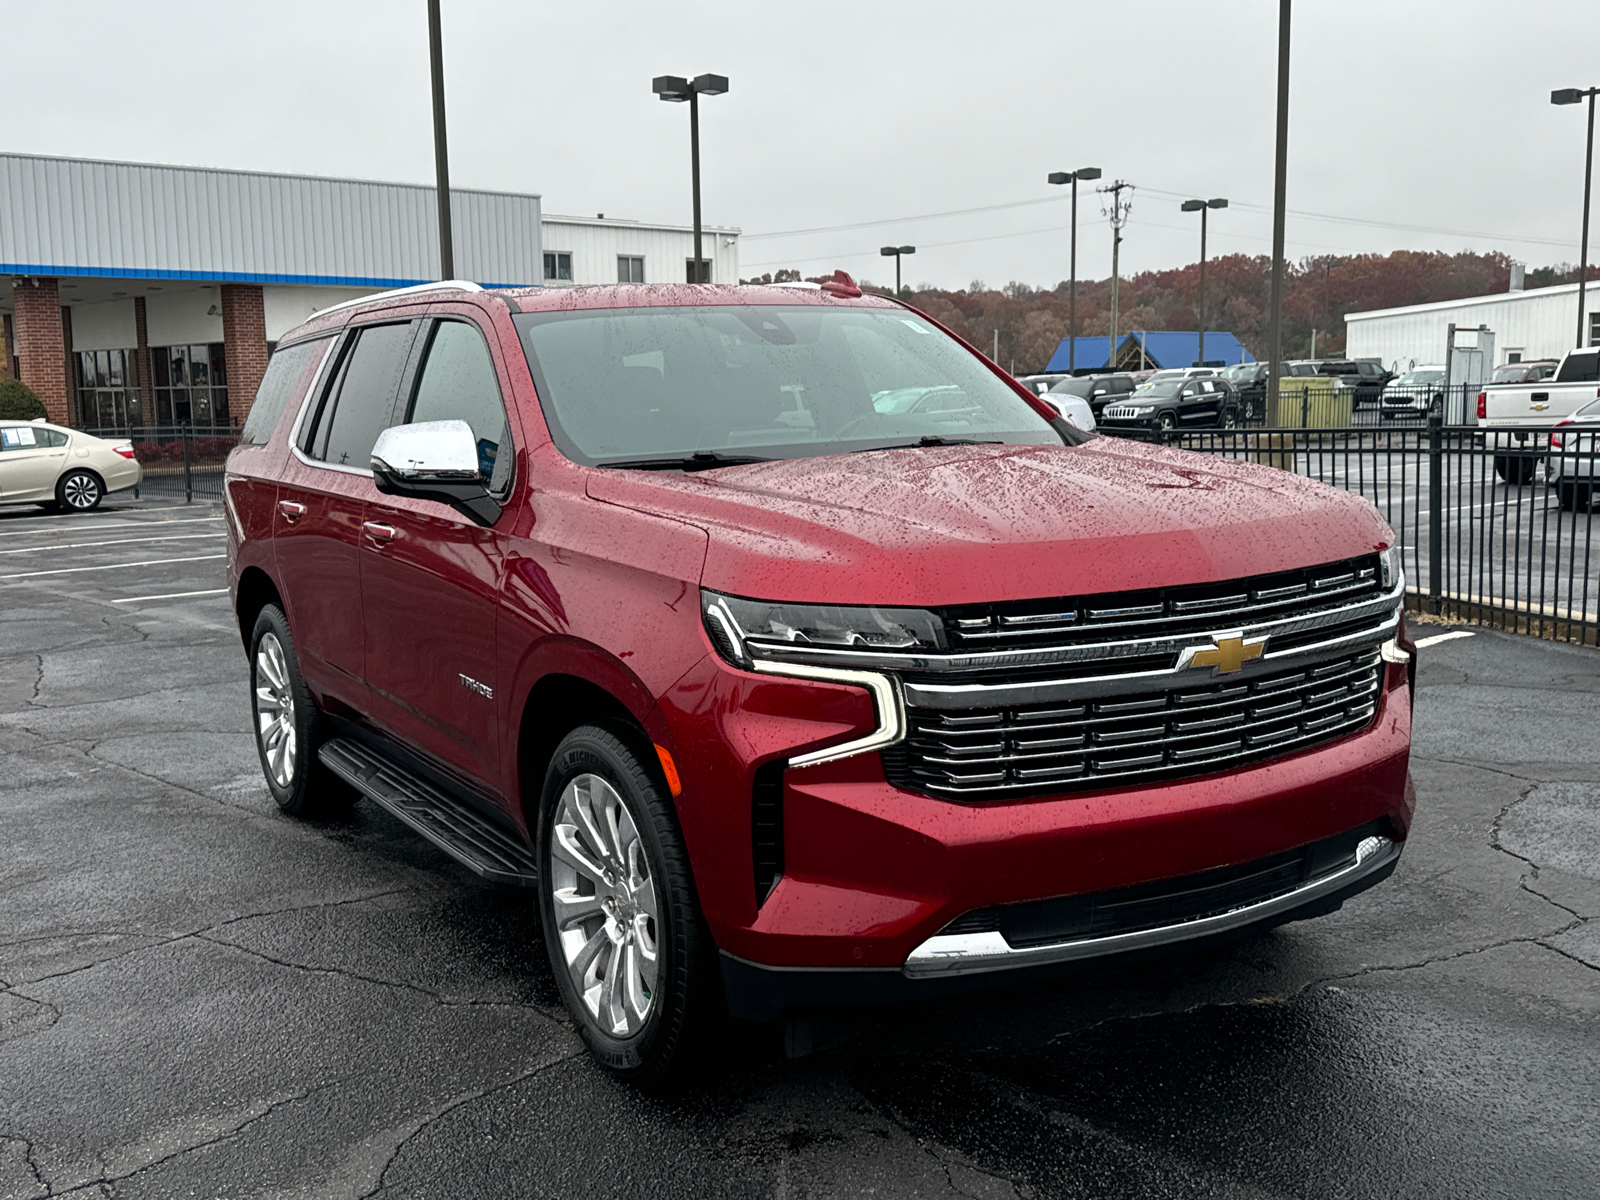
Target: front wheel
[[79, 491], [1230, 420], [630, 952]]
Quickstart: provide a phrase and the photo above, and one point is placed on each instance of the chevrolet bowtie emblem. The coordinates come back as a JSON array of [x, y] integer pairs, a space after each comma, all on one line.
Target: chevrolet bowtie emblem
[[1228, 654]]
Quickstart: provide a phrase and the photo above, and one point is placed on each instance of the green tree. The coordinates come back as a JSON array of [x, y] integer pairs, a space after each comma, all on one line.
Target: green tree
[[18, 402]]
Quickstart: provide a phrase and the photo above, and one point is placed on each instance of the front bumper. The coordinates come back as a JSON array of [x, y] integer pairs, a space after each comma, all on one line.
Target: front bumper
[[871, 875]]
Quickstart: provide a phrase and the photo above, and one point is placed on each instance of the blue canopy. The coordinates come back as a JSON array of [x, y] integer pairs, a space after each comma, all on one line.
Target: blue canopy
[[1162, 348]]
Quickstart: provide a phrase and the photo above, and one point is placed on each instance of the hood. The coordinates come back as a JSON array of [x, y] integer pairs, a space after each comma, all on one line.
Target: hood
[[967, 524]]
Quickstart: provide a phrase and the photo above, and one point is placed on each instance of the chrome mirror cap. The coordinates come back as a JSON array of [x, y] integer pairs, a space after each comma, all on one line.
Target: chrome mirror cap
[[427, 452]]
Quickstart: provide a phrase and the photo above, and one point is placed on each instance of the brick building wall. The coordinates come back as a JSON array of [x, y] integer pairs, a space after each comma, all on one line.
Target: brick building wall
[[244, 337], [41, 345]]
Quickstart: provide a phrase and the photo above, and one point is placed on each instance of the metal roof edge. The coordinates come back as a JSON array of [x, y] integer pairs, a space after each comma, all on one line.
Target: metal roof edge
[[1467, 301], [624, 223], [144, 166]]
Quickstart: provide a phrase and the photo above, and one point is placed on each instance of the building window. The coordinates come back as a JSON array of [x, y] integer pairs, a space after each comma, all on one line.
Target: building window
[[1594, 329], [558, 265], [705, 270], [108, 389], [191, 384], [630, 268]]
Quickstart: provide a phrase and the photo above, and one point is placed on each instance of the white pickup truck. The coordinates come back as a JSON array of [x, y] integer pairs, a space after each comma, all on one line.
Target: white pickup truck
[[1516, 417]]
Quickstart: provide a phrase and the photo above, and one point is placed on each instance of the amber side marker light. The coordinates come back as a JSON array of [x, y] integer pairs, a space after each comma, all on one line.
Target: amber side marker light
[[674, 784]]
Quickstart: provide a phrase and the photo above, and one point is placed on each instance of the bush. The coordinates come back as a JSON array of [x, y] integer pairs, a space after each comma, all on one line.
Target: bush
[[147, 452], [19, 403]]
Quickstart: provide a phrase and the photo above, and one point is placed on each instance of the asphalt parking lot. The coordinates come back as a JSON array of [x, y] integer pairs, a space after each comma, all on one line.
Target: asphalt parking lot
[[201, 997]]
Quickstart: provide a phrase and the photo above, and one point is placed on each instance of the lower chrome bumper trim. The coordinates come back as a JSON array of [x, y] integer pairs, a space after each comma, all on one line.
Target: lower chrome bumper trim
[[946, 955]]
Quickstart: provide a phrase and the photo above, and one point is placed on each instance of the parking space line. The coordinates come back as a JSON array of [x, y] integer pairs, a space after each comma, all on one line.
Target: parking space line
[[176, 537], [58, 516], [1423, 643], [170, 596], [33, 531], [149, 562]]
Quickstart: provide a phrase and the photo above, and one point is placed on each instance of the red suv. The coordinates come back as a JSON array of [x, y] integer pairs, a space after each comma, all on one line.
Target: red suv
[[797, 655]]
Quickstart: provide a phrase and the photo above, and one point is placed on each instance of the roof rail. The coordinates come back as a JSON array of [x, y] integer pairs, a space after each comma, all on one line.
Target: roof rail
[[439, 285]]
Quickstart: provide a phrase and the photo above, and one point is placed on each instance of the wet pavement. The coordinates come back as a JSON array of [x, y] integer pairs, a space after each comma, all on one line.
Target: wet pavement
[[201, 997]]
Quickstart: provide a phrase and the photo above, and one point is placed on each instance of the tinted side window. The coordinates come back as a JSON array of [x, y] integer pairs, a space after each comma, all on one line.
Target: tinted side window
[[285, 378], [458, 383], [1579, 368], [364, 405], [52, 437]]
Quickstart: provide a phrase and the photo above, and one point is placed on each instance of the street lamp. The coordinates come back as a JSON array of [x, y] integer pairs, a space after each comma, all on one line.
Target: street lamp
[[1575, 96], [1072, 177], [676, 89], [1202, 207], [896, 252]]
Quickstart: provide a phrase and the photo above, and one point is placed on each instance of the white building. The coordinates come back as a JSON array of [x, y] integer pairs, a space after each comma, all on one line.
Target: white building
[[602, 249], [1542, 323]]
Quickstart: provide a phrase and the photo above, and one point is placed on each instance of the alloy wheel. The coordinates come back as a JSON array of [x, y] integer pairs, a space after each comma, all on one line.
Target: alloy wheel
[[80, 490], [605, 906], [274, 700]]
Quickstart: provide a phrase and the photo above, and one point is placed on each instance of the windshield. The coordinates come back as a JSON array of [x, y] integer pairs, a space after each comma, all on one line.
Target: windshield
[[1242, 373], [1510, 374], [763, 382], [1073, 387], [1419, 379], [1169, 373], [1158, 389]]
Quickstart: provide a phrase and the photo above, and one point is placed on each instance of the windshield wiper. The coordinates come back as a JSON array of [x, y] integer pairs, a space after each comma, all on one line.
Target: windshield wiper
[[932, 439], [700, 460]]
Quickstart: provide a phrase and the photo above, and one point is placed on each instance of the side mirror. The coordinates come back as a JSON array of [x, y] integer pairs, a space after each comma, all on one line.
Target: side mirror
[[434, 460]]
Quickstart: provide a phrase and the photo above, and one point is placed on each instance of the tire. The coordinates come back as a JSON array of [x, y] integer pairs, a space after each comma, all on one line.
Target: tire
[[288, 725], [645, 1027], [1228, 420], [1575, 497], [1436, 408], [1515, 468], [1169, 422], [79, 491]]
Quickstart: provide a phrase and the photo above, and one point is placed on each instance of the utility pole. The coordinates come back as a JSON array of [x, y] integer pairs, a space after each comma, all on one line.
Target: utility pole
[[1279, 193], [441, 155], [1117, 209]]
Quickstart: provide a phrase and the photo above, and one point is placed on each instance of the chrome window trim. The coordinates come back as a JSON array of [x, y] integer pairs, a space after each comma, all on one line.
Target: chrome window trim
[[1386, 604], [886, 702], [312, 389], [945, 956]]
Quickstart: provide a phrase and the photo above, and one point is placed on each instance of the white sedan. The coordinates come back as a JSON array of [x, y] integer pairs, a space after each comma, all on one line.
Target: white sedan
[[46, 464]]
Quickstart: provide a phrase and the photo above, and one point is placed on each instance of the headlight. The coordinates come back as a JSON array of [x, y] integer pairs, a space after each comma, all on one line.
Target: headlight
[[1390, 571], [743, 630], [1142, 410]]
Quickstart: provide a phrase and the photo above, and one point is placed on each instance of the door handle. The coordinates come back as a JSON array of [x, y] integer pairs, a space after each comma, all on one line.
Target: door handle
[[379, 533], [291, 511]]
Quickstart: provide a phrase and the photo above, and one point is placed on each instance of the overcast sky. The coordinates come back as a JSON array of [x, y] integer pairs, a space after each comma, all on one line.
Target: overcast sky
[[1417, 125]]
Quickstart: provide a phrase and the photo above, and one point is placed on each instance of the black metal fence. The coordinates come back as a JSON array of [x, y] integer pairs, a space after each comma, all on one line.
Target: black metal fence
[[178, 460], [1495, 529]]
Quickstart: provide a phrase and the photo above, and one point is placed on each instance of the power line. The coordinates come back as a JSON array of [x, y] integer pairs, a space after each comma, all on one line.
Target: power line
[[1366, 222]]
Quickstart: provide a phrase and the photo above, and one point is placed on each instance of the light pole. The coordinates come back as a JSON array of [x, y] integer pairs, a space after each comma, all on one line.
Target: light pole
[[1280, 183], [1072, 177], [677, 89], [1573, 96], [441, 156], [1202, 207], [895, 252]]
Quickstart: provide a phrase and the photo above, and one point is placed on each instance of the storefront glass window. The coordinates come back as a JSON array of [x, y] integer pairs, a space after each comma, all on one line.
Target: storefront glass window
[[108, 389], [190, 384]]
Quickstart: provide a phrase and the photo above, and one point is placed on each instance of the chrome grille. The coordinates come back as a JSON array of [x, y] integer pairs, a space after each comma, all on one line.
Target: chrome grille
[[1163, 612], [995, 753]]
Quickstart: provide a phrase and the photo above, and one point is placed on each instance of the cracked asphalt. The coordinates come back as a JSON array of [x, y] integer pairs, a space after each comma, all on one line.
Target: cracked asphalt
[[201, 997]]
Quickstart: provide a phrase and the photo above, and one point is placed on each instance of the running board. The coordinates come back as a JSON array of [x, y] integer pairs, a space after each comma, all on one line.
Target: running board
[[474, 841]]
